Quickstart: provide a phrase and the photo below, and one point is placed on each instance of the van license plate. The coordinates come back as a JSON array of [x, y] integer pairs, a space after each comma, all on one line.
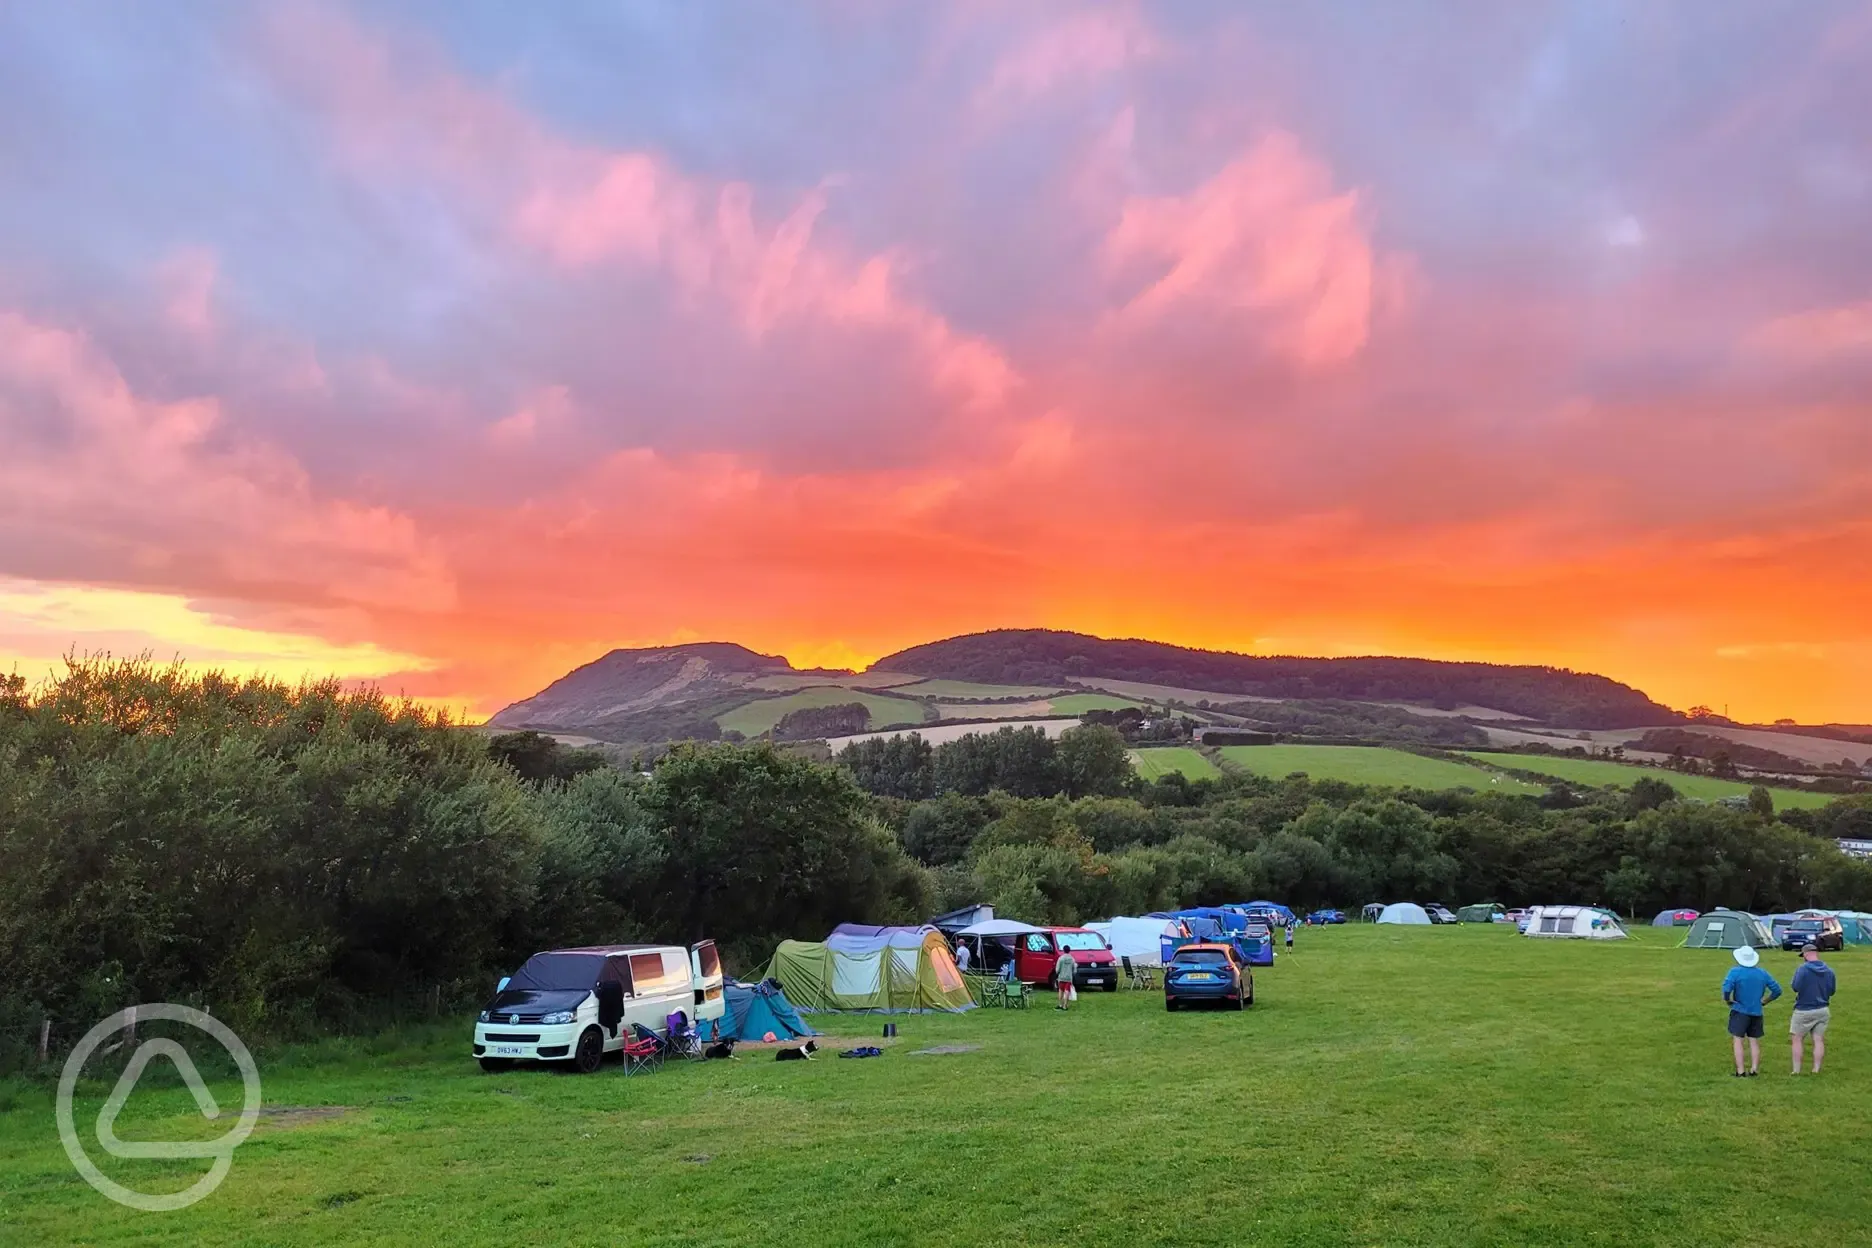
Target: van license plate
[[507, 1050]]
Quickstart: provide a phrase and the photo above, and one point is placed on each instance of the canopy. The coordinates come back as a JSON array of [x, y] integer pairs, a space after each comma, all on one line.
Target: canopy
[[999, 927], [1372, 910], [754, 1010], [1574, 923], [882, 969], [1727, 929], [1141, 940], [1405, 912]]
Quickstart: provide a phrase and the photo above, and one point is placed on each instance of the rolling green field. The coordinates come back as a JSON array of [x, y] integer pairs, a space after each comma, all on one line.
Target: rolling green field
[[969, 689], [1599, 773], [1080, 703], [1162, 760], [1360, 764], [1395, 1086], [759, 716]]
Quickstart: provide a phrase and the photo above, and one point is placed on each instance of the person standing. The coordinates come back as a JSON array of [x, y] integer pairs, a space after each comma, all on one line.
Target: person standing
[[1746, 989], [1063, 977], [1290, 927], [1813, 986], [962, 955]]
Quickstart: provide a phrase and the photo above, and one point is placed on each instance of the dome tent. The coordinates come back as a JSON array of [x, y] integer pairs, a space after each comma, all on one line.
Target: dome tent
[[1674, 918], [752, 1011], [1480, 912], [1727, 929], [1405, 912]]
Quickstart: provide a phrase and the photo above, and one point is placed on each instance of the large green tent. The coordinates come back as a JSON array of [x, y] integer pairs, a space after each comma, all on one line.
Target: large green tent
[[883, 970], [1480, 912], [1727, 929]]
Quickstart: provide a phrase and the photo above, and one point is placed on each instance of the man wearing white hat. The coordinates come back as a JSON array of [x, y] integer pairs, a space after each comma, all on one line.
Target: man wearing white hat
[[1747, 988]]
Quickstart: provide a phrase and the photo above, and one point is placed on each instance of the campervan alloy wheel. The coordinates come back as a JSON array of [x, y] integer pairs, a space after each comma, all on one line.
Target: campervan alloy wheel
[[494, 1065], [590, 1052]]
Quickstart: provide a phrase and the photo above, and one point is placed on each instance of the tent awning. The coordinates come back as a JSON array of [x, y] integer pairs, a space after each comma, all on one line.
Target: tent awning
[[998, 927]]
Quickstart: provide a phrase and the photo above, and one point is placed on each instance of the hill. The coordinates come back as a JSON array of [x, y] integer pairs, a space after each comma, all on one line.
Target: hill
[[626, 685], [1040, 656]]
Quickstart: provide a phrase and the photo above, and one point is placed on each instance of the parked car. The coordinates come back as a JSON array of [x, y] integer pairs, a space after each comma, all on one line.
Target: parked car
[[574, 1006], [1211, 973], [1036, 954], [1320, 918], [1438, 912], [1514, 916], [1096, 967], [1824, 933]]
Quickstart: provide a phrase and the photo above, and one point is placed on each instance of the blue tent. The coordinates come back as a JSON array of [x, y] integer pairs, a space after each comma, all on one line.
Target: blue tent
[[753, 1011]]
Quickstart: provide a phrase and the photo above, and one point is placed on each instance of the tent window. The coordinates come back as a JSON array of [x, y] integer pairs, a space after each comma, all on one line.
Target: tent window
[[1550, 923]]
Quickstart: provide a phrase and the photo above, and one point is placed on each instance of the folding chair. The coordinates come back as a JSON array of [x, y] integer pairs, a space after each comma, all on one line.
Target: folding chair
[[1139, 977], [684, 1040], [644, 1051], [1016, 995]]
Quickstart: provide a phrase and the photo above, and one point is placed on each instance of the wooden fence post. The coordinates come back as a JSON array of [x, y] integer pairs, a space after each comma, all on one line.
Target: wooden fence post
[[45, 1040]]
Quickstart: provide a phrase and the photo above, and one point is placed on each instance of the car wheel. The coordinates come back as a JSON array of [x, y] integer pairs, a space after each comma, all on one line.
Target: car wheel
[[1169, 1005], [1111, 985], [590, 1052], [495, 1065], [1248, 993]]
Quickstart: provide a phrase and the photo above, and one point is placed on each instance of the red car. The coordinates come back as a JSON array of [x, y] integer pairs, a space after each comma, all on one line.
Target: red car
[[1037, 953]]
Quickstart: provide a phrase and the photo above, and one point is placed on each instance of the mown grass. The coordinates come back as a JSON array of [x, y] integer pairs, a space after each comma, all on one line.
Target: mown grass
[[1431, 1086], [1080, 703], [759, 716], [1601, 774], [1163, 760], [1361, 764]]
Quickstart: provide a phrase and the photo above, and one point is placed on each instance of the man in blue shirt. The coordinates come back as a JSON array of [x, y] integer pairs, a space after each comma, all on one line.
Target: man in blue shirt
[[1744, 988], [1813, 998]]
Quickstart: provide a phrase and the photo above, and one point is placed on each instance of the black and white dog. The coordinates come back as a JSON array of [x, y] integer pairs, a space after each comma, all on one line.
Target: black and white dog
[[721, 1049], [802, 1054]]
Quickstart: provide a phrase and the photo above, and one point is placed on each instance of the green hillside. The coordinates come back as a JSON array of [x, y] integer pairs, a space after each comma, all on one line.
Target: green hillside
[[1359, 764], [1600, 774]]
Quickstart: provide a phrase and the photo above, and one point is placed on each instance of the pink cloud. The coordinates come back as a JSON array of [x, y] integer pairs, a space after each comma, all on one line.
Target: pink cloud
[[1267, 241], [1086, 45]]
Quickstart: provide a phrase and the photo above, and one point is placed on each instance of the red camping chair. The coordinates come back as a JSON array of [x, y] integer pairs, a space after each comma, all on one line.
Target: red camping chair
[[642, 1053]]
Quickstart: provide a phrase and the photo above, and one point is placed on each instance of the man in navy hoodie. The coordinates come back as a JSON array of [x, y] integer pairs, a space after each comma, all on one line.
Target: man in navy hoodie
[[1744, 988], [1813, 998]]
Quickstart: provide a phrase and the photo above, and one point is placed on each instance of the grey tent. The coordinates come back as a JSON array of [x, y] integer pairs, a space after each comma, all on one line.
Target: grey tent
[[1727, 929]]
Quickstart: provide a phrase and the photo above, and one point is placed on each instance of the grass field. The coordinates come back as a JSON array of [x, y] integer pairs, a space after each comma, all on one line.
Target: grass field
[[969, 689], [1080, 703], [1360, 764], [759, 716], [1162, 760], [1599, 774], [1165, 758], [1430, 1086]]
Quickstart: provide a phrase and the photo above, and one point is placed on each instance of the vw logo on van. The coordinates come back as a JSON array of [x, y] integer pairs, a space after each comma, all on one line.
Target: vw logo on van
[[512, 1019]]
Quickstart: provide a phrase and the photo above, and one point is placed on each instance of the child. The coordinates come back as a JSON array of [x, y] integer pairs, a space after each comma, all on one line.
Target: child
[[1290, 927], [1063, 976]]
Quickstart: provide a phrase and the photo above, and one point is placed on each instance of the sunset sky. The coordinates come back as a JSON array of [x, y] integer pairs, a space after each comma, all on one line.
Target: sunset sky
[[451, 344]]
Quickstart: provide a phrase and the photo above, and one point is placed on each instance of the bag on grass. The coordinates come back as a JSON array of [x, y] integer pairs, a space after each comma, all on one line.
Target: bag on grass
[[1072, 992]]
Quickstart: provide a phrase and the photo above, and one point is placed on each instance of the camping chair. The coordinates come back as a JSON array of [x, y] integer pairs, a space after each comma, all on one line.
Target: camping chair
[[684, 1041], [642, 1053], [988, 989], [1139, 977], [1014, 994]]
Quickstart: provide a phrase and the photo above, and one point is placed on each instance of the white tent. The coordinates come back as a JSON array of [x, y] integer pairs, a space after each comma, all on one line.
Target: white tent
[[1574, 923], [1405, 912], [1141, 940]]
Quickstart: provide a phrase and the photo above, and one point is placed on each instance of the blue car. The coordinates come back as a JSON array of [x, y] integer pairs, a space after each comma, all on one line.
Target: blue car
[[1207, 973], [1319, 918]]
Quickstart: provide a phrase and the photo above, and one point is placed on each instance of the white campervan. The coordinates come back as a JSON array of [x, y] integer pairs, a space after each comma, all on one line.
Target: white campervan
[[576, 1005]]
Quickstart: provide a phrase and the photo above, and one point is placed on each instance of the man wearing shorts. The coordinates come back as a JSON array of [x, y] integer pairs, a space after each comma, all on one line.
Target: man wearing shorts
[[1813, 998], [1744, 988]]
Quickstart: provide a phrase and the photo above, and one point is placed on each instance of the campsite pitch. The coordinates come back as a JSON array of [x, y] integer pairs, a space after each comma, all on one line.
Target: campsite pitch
[[1421, 1086]]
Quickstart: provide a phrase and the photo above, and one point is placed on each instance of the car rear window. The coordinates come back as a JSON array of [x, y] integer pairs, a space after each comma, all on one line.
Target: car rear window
[[1202, 957]]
